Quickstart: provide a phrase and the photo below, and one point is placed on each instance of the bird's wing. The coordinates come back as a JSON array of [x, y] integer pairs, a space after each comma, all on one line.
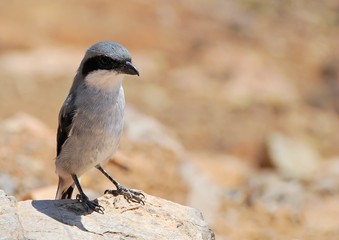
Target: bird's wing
[[66, 117]]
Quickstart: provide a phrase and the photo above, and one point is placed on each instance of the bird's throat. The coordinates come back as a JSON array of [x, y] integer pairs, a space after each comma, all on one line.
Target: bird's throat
[[104, 79]]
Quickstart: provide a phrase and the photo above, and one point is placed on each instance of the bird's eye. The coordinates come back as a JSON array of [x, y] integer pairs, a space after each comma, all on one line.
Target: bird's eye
[[104, 61]]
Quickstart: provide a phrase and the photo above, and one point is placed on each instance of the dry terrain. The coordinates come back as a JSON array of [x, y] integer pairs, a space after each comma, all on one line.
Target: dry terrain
[[235, 111]]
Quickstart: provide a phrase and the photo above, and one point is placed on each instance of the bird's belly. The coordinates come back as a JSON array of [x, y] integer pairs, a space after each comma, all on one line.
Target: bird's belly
[[95, 133], [90, 143]]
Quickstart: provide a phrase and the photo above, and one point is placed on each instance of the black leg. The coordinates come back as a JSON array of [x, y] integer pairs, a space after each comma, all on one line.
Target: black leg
[[88, 205], [68, 193], [129, 195]]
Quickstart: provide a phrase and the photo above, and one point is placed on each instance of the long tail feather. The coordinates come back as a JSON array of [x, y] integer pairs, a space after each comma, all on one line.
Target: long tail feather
[[65, 189]]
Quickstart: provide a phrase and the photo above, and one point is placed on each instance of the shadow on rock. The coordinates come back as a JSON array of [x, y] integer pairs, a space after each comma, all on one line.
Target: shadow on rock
[[65, 211]]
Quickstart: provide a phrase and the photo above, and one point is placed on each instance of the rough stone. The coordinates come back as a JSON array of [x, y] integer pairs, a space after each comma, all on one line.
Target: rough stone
[[292, 157], [66, 219]]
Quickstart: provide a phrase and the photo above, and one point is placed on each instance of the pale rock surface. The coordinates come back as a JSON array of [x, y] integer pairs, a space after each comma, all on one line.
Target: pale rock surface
[[274, 193], [293, 157], [326, 179], [66, 219], [142, 128], [210, 178]]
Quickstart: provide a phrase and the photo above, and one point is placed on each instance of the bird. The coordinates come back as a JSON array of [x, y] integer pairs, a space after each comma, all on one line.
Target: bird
[[91, 121]]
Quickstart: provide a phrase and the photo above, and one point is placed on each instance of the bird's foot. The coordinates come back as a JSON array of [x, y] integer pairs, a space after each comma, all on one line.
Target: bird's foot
[[129, 195], [90, 205]]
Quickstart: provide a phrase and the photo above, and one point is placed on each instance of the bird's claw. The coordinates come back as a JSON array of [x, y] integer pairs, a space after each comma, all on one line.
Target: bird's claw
[[90, 205], [129, 195]]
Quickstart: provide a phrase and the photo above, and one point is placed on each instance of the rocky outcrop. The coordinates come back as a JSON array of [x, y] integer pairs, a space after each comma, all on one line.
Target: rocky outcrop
[[66, 219]]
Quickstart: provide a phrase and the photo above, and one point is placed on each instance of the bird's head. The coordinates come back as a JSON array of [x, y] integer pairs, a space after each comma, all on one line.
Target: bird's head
[[105, 63]]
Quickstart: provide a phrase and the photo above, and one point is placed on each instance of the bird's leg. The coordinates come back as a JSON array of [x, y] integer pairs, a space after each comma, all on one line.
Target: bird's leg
[[88, 205], [129, 195]]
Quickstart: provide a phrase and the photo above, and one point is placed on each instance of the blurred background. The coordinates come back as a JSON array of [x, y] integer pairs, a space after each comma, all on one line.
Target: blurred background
[[235, 111]]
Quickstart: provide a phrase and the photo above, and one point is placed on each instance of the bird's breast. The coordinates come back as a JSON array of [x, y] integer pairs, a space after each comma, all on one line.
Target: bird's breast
[[98, 125], [101, 112]]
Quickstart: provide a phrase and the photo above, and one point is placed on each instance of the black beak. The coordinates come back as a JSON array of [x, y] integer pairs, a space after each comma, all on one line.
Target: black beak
[[130, 69]]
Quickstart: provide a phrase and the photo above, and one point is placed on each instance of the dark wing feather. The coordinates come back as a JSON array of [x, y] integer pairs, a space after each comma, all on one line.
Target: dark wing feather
[[66, 117]]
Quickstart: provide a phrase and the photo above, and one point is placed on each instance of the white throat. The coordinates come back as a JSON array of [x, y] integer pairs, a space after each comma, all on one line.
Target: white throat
[[104, 79]]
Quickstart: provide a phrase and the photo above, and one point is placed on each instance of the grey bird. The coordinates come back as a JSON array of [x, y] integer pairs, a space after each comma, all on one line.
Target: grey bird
[[91, 121]]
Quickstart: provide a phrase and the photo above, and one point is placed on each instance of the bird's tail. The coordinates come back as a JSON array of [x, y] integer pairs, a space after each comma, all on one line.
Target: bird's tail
[[65, 189]]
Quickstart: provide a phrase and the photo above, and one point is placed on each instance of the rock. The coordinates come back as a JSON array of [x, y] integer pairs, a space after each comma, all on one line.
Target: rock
[[27, 152], [273, 193], [209, 178], [142, 128], [203, 194], [292, 157], [48, 193], [23, 122], [326, 179], [66, 219], [9, 221], [251, 80], [34, 64], [322, 215], [8, 182]]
